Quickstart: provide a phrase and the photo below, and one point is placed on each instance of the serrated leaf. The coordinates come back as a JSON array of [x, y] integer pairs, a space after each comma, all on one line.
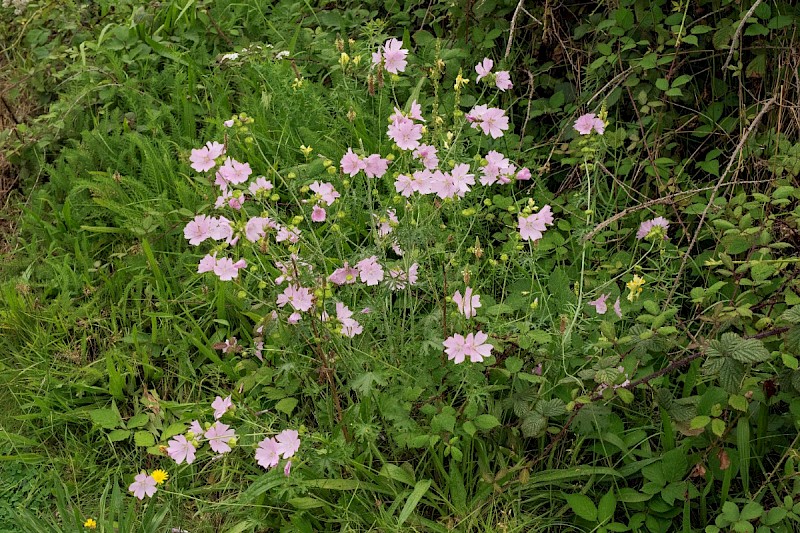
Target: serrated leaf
[[533, 425], [718, 427], [550, 408], [792, 315], [743, 350], [582, 506], [144, 438], [286, 405], [138, 421], [486, 422], [606, 507], [118, 435], [699, 422]]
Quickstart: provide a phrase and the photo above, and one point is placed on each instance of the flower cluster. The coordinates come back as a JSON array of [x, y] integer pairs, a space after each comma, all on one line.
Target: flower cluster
[[283, 445], [391, 56], [501, 78], [588, 122]]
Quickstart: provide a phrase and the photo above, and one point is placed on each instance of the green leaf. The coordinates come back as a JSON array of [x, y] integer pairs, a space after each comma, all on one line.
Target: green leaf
[[486, 422], [738, 402], [173, 429], [106, 418], [606, 507], [416, 495], [144, 438], [699, 422], [286, 405], [743, 350], [551, 408], [118, 435], [751, 511], [625, 395], [582, 506], [718, 427], [513, 364], [443, 422], [138, 421]]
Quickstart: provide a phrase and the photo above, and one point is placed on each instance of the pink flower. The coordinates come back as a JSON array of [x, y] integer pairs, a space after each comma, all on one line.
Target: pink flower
[[260, 184], [195, 428], [586, 123], [228, 123], [404, 185], [600, 304], [300, 298], [203, 159], [498, 169], [227, 270], [427, 154], [394, 56], [503, 80], [267, 454], [143, 485], [375, 166], [221, 229], [386, 225], [219, 436], [468, 303], [318, 214], [198, 229], [415, 111], [344, 275], [232, 172], [180, 449], [524, 174], [325, 191], [256, 228], [207, 264], [484, 68], [405, 133], [221, 406], [236, 201], [646, 227], [493, 122], [287, 468], [461, 179], [288, 234], [478, 348], [288, 442], [618, 308], [370, 271], [351, 163], [532, 227], [294, 318]]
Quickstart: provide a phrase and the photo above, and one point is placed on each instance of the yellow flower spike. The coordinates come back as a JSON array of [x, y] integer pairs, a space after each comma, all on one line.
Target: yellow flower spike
[[90, 523], [460, 81], [306, 150], [344, 59], [160, 476]]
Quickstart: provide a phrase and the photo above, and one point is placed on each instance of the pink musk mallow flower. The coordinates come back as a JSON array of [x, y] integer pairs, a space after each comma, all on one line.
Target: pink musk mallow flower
[[199, 229], [474, 346], [227, 270], [646, 227], [268, 454], [351, 163], [600, 303], [375, 166], [288, 234], [618, 308], [260, 184], [232, 172], [219, 436], [405, 133], [204, 159], [143, 485], [523, 175], [350, 327], [221, 406], [221, 229], [287, 468], [427, 154], [181, 449], [588, 122], [392, 56], [345, 275], [207, 264], [325, 191], [256, 228], [532, 227], [318, 214], [288, 442], [494, 122], [300, 298], [467, 304], [484, 68], [404, 185], [370, 271], [502, 80]]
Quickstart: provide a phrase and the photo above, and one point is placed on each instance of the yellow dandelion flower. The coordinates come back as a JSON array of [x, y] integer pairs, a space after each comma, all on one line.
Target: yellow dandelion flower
[[90, 523], [160, 476]]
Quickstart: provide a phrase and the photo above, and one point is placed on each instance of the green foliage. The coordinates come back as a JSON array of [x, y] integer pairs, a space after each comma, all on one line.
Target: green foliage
[[681, 414]]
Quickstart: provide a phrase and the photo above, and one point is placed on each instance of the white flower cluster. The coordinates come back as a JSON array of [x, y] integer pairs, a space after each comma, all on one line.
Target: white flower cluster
[[19, 5]]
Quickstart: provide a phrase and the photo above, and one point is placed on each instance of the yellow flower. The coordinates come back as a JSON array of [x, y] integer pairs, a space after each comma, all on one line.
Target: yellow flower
[[344, 59], [90, 524], [460, 81], [635, 286], [159, 475], [306, 150]]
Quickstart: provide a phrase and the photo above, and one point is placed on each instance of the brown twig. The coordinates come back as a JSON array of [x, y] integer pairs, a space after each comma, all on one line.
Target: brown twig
[[219, 30], [737, 34]]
